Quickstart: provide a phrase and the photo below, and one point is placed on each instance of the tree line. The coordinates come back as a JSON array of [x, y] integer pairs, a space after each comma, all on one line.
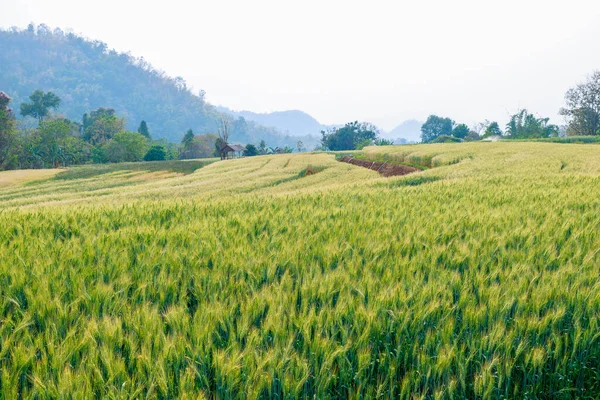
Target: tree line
[[352, 136], [100, 137], [582, 114]]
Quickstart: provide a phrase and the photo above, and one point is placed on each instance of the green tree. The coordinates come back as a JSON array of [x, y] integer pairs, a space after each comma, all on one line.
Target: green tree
[[199, 146], [219, 143], [187, 138], [524, 125], [262, 147], [493, 129], [172, 150], [126, 146], [7, 128], [156, 153], [56, 144], [583, 107], [300, 146], [40, 105], [101, 126], [351, 136], [143, 129], [436, 126], [251, 150], [460, 131]]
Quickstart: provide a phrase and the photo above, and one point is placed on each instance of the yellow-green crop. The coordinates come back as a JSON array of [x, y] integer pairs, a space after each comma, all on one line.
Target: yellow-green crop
[[249, 278]]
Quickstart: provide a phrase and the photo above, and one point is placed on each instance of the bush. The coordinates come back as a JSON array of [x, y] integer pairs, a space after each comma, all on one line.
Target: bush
[[446, 139], [126, 146], [156, 153], [251, 150]]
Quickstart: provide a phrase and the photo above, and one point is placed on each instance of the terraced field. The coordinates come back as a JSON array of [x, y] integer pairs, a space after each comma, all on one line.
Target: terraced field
[[298, 276]]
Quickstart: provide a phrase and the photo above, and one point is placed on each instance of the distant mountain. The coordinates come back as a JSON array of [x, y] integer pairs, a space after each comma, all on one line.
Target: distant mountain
[[291, 122], [409, 130], [87, 75]]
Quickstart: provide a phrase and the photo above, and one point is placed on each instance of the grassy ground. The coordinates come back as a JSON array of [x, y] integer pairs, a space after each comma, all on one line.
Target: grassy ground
[[13, 178], [477, 277]]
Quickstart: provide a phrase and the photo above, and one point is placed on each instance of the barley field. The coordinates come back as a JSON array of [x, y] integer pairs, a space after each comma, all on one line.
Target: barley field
[[297, 276]]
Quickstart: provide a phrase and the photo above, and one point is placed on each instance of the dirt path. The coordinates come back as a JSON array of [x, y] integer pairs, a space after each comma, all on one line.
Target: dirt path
[[385, 169]]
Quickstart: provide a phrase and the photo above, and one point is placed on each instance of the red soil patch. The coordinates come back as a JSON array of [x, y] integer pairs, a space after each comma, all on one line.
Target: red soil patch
[[385, 169]]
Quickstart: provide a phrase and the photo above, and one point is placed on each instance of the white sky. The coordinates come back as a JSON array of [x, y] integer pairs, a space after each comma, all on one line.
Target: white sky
[[381, 61]]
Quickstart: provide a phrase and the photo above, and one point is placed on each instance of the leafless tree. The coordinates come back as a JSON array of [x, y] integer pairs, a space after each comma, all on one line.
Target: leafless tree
[[480, 127], [223, 131]]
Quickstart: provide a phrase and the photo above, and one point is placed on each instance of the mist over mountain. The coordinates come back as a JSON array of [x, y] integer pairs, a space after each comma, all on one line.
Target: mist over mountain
[[292, 122], [87, 75], [409, 130]]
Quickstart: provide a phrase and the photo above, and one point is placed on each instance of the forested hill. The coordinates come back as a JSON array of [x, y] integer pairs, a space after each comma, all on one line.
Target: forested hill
[[87, 75]]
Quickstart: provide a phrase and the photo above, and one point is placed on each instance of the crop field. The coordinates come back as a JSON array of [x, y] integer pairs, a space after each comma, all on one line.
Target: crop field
[[298, 276]]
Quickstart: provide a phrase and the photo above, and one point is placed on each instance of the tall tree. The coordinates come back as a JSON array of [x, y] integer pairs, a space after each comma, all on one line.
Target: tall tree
[[223, 131], [187, 138], [262, 147], [524, 125], [7, 127], [199, 146], [583, 107], [223, 139], [436, 126], [493, 129], [143, 129], [40, 105], [219, 143], [101, 125]]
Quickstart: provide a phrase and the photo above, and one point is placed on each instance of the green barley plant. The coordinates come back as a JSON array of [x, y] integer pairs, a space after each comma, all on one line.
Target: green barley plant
[[251, 278]]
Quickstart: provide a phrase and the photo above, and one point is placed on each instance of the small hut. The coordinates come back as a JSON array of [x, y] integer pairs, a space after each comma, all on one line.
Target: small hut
[[232, 151]]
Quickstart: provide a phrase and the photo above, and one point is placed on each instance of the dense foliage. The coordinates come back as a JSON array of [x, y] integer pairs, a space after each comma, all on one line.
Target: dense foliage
[[87, 75], [460, 131], [583, 107], [60, 142], [444, 130], [524, 125], [477, 278], [101, 137], [40, 105], [7, 127], [493, 129], [436, 126], [198, 146], [353, 135]]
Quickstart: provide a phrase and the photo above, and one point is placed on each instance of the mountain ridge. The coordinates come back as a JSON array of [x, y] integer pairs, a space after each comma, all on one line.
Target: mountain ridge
[[86, 74], [410, 130], [293, 122]]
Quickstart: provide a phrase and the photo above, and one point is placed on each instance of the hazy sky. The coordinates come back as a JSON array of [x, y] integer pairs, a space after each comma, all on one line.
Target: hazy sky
[[382, 61]]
